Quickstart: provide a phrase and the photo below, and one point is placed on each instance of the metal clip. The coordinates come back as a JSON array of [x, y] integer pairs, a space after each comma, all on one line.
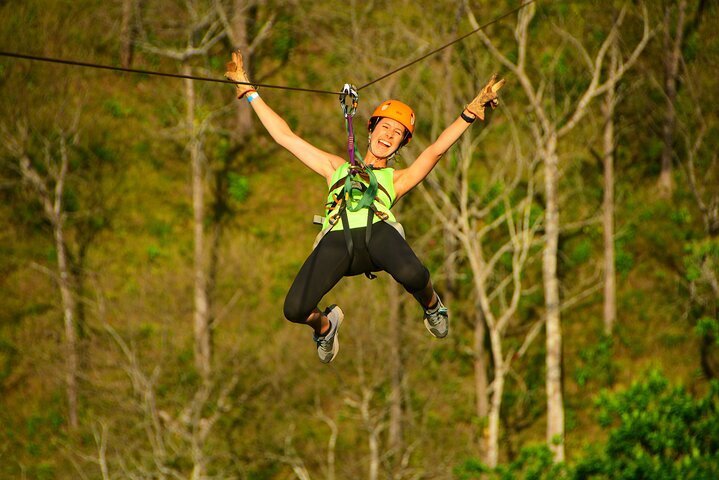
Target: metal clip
[[349, 99]]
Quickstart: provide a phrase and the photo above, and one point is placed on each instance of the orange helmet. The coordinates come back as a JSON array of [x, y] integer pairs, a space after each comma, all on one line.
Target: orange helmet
[[395, 110]]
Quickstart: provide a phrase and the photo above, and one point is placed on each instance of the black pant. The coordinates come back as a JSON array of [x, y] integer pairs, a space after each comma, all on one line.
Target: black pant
[[330, 261]]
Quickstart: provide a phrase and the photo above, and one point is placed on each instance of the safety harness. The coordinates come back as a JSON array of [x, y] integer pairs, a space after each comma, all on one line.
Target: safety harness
[[360, 181]]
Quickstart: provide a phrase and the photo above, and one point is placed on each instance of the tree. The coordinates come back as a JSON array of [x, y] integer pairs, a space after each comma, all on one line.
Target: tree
[[237, 26], [656, 430], [176, 435], [128, 31], [495, 226], [701, 259], [547, 130], [608, 149], [206, 27], [49, 191], [677, 25]]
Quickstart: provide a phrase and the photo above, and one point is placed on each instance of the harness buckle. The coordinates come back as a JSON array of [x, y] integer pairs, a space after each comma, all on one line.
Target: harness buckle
[[381, 215]]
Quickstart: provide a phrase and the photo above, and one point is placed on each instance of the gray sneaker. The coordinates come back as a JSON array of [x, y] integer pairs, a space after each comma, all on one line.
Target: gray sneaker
[[437, 320], [328, 345]]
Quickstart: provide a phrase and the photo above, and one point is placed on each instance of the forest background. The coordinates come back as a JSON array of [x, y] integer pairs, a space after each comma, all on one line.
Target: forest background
[[151, 228]]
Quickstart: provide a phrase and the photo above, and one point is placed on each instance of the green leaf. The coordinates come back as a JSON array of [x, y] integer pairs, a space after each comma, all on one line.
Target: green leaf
[[239, 187]]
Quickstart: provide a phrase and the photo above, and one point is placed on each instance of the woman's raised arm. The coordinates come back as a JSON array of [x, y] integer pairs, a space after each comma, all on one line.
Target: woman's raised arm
[[317, 160], [408, 178]]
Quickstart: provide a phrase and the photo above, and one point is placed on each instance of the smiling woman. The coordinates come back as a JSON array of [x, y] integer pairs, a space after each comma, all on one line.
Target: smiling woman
[[391, 127], [360, 235]]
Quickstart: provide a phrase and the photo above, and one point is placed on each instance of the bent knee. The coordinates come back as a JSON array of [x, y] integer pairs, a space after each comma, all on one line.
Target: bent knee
[[413, 277], [295, 311]]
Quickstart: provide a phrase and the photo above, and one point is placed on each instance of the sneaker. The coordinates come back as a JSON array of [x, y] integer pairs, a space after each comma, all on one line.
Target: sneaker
[[437, 319], [328, 344]]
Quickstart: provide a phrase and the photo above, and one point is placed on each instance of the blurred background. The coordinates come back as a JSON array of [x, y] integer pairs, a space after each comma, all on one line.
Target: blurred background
[[151, 228]]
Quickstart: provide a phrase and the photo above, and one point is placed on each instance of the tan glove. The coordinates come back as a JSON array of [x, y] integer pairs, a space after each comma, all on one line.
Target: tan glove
[[487, 96], [236, 73]]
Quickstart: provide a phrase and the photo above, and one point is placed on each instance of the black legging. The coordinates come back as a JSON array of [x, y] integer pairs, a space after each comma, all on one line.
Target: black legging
[[330, 261]]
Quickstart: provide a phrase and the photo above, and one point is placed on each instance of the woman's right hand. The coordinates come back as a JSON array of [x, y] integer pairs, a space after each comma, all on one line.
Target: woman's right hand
[[236, 73]]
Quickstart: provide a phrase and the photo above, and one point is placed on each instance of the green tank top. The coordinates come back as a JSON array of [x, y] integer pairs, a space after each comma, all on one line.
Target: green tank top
[[384, 200]]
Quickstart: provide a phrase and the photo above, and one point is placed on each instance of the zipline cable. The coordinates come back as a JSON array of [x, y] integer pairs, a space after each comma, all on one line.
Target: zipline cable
[[279, 87], [436, 50], [160, 74]]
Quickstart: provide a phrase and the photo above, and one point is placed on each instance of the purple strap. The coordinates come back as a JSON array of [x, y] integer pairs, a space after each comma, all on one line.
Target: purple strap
[[350, 140]]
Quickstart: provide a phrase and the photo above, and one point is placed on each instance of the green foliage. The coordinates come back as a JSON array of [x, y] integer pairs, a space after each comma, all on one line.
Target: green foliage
[[681, 217], [700, 254], [532, 463], [8, 359], [283, 38], [42, 471], [160, 229], [623, 259], [153, 252], [581, 252], [658, 431], [116, 109], [597, 364], [708, 327], [470, 469], [239, 187], [651, 153]]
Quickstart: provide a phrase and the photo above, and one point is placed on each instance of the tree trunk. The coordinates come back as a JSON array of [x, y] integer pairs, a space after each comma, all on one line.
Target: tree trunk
[[239, 24], [396, 369], [128, 32], [610, 302], [69, 304], [555, 406], [496, 405], [374, 455], [672, 54], [69, 308], [203, 343], [480, 379]]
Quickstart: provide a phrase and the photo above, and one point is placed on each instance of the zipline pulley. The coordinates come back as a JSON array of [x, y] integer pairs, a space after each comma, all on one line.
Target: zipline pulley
[[349, 99]]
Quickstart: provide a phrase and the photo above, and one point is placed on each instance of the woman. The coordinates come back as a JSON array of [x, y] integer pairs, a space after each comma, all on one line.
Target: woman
[[345, 247]]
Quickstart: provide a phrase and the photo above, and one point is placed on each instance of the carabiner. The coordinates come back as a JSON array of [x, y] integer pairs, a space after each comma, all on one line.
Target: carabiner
[[349, 99]]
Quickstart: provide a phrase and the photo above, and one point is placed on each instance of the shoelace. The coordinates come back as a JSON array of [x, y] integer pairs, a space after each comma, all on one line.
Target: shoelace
[[435, 317]]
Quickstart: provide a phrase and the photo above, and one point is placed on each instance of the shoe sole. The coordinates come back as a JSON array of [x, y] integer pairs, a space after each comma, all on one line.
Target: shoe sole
[[336, 343]]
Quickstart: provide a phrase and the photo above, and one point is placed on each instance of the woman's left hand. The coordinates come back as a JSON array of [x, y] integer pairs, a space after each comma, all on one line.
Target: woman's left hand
[[486, 97]]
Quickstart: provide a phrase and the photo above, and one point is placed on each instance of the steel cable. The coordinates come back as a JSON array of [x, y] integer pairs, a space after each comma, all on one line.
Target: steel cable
[[160, 74], [279, 87], [437, 50]]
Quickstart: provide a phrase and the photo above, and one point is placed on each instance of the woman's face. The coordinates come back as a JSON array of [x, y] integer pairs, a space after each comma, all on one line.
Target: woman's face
[[386, 137]]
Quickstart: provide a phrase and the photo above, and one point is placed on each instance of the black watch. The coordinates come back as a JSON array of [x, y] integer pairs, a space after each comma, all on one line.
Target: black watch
[[467, 118]]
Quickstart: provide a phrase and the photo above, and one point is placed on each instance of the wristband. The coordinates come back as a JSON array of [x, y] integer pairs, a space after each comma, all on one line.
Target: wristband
[[467, 118], [251, 96]]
